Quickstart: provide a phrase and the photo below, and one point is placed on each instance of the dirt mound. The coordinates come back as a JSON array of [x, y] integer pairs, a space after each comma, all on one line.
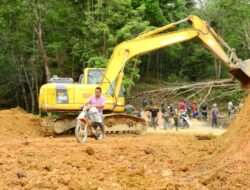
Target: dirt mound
[[235, 143], [16, 123], [230, 164]]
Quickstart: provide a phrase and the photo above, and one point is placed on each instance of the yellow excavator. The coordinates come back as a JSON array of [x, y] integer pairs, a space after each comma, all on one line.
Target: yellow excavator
[[63, 95]]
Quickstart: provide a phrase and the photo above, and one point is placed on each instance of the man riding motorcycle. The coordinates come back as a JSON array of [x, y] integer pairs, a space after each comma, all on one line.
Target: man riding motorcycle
[[98, 101]]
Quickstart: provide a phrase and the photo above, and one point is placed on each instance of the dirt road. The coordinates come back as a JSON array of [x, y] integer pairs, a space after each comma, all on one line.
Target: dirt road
[[119, 162], [155, 161], [197, 128]]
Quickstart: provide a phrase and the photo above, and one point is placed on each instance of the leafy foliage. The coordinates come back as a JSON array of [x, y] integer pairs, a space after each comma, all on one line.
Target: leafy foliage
[[79, 34]]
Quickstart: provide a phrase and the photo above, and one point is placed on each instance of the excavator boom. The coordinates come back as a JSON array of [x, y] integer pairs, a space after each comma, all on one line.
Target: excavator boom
[[158, 39]]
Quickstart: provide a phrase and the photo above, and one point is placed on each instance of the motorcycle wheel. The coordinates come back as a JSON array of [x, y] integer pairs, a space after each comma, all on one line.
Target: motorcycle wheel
[[186, 124], [81, 132]]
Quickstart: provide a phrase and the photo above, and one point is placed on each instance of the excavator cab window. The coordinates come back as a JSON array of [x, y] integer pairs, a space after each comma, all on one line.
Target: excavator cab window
[[95, 76]]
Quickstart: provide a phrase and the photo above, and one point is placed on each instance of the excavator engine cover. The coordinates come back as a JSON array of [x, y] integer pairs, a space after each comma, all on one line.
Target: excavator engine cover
[[242, 74]]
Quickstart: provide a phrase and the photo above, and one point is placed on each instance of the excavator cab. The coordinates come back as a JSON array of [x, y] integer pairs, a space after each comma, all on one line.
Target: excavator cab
[[242, 73]]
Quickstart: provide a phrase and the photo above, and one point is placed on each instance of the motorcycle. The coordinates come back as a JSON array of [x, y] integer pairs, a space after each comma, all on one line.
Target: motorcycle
[[87, 123], [184, 120]]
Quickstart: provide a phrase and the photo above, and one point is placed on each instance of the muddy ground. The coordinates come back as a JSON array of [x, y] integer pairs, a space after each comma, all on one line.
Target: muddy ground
[[161, 160]]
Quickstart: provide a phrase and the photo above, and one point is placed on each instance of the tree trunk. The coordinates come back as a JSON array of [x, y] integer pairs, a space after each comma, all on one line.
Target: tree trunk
[[39, 32], [217, 70], [34, 69], [23, 88], [17, 98], [36, 87], [247, 33], [31, 90]]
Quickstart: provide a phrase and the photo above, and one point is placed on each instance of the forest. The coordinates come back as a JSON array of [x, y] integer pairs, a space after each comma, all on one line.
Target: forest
[[40, 38]]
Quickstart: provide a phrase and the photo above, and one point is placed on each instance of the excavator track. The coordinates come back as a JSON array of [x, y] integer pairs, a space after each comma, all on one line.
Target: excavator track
[[125, 123], [114, 123]]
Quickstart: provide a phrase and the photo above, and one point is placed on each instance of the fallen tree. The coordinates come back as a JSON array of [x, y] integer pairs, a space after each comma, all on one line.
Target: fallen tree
[[199, 92]]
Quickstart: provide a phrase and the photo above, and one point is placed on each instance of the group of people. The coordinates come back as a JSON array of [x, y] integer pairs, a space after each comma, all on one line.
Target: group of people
[[188, 107], [153, 111], [193, 111]]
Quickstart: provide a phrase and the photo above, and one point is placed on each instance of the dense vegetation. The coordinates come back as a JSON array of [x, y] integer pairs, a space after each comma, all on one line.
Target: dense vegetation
[[41, 38]]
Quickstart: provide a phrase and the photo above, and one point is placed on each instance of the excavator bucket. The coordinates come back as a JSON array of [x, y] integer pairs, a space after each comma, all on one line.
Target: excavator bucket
[[242, 74]]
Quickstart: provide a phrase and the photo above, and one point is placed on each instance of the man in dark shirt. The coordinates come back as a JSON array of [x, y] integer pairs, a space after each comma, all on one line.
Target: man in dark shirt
[[154, 119], [204, 111], [171, 110]]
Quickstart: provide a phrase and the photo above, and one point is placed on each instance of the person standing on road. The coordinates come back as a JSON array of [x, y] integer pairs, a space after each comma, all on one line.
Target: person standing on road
[[196, 113], [164, 107], [154, 117], [214, 115], [171, 110], [195, 110], [189, 108], [204, 111], [98, 101], [165, 114]]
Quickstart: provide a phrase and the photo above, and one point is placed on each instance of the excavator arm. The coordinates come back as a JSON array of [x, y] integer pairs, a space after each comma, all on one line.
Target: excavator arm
[[156, 39]]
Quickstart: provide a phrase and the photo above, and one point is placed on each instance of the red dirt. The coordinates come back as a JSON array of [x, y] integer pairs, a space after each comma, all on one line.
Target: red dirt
[[231, 161], [153, 161], [16, 123]]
